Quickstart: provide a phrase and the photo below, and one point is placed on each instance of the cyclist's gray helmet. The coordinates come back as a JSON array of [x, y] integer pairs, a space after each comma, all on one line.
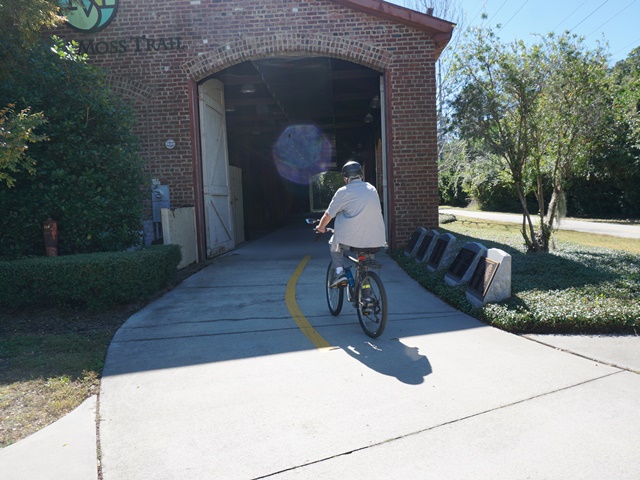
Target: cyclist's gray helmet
[[352, 169]]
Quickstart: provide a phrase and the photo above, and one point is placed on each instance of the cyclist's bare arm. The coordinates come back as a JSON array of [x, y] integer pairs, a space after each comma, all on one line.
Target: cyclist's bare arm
[[324, 221]]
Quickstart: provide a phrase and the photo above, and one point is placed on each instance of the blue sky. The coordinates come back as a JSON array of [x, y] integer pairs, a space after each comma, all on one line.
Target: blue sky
[[617, 21]]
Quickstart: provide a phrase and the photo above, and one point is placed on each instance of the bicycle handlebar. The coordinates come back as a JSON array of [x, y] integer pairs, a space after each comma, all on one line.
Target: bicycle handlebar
[[313, 221], [319, 234]]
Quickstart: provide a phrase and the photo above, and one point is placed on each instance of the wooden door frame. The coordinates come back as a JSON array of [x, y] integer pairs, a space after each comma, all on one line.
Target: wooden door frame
[[196, 155]]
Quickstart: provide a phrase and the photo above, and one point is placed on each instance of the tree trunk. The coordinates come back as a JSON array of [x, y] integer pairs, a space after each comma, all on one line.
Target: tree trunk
[[547, 222], [529, 238]]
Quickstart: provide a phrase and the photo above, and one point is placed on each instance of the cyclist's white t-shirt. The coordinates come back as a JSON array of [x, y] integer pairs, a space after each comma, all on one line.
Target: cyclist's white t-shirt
[[358, 216]]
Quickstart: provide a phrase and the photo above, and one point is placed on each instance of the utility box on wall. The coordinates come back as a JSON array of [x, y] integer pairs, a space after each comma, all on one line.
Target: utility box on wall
[[159, 200]]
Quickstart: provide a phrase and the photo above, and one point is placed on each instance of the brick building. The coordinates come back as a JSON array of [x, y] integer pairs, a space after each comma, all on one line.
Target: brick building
[[235, 96]]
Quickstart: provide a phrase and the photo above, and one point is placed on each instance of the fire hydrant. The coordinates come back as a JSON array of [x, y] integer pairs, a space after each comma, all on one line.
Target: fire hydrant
[[51, 237]]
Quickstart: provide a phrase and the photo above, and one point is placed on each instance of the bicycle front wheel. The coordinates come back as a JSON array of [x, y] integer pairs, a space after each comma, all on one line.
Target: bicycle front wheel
[[371, 303], [335, 296]]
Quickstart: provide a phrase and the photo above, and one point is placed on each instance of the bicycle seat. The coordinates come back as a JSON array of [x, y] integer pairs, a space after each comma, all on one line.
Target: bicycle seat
[[366, 250]]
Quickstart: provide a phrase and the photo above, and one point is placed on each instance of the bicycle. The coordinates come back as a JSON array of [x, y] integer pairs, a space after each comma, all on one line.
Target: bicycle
[[364, 290]]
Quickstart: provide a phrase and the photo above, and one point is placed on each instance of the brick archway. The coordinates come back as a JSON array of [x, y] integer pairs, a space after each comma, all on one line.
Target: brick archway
[[129, 88], [252, 48]]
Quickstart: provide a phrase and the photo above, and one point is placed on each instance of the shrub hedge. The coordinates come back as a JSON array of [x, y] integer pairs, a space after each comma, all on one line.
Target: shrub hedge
[[95, 281]]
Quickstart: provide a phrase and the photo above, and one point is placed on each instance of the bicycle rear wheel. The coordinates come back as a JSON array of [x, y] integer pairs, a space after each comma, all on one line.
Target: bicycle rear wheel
[[335, 296], [371, 303]]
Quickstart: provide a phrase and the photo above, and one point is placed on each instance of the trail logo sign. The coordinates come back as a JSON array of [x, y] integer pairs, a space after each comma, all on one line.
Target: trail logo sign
[[89, 16]]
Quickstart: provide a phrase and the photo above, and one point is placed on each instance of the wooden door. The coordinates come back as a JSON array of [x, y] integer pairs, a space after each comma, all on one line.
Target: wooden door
[[220, 235]]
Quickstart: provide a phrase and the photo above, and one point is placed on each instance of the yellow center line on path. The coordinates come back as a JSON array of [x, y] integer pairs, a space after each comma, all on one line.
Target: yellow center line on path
[[303, 324]]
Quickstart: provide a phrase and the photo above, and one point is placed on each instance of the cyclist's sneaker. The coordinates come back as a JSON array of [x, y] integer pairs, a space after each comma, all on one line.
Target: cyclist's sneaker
[[341, 281], [368, 305], [369, 301]]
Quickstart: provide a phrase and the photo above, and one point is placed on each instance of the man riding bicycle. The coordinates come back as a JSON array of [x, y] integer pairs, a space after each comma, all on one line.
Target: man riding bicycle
[[359, 223]]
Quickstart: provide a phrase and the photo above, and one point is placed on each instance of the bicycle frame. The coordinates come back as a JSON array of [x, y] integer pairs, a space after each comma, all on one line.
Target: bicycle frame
[[367, 294], [363, 262]]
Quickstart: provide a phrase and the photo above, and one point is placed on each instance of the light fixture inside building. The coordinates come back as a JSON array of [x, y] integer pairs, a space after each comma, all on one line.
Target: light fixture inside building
[[248, 88], [368, 118], [375, 102]]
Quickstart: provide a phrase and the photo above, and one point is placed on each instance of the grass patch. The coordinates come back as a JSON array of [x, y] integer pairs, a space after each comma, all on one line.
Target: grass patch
[[588, 284], [29, 405], [631, 245], [51, 360]]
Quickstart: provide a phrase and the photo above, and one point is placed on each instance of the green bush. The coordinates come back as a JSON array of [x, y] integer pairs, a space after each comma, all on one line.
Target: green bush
[[575, 289], [88, 174], [450, 189], [94, 281]]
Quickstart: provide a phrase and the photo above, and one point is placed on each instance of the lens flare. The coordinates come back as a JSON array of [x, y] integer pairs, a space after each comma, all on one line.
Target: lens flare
[[300, 152]]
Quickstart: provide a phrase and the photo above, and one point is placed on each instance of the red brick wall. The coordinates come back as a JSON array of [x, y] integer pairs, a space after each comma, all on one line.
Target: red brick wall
[[215, 34]]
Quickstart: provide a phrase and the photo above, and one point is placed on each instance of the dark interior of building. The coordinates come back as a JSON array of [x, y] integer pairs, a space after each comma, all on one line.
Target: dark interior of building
[[290, 117]]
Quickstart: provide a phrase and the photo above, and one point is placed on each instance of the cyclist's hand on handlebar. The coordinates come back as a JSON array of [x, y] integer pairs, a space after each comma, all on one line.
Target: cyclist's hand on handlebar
[[320, 230]]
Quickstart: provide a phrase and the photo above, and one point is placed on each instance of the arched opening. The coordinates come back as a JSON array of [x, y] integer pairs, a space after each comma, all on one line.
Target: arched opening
[[289, 118]]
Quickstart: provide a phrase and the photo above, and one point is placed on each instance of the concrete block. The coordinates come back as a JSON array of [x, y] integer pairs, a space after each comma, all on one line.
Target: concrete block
[[414, 242], [426, 245], [464, 264], [442, 253], [491, 279]]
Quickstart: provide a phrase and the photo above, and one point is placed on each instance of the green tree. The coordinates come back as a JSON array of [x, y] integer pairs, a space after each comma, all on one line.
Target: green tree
[[21, 22], [626, 75], [16, 132], [453, 171], [607, 183], [499, 90], [626, 119], [88, 176], [538, 109], [571, 115]]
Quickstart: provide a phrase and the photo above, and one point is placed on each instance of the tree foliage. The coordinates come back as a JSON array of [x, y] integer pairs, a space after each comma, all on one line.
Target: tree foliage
[[23, 20], [88, 175], [571, 115], [538, 109], [16, 132], [20, 22], [606, 184]]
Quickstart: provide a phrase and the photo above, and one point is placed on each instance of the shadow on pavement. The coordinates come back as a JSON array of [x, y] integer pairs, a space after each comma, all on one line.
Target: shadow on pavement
[[392, 358]]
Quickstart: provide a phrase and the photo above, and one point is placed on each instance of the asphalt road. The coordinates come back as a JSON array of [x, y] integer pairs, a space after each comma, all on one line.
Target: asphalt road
[[600, 228]]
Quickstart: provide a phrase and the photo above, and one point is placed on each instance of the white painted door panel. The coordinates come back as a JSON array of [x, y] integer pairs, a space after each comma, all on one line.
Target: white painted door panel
[[215, 169]]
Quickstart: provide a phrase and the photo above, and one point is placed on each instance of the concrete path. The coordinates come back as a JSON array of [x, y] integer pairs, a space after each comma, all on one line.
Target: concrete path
[[613, 229], [216, 380], [64, 450]]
